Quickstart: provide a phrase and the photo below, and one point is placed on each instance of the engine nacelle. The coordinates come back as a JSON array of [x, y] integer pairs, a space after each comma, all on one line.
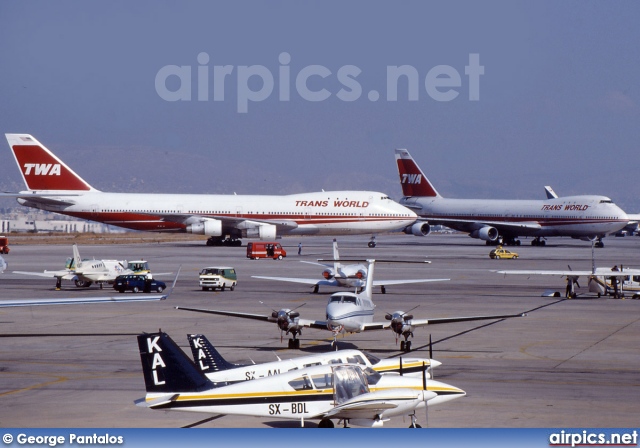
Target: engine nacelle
[[262, 231], [208, 227], [486, 233], [327, 274], [418, 229]]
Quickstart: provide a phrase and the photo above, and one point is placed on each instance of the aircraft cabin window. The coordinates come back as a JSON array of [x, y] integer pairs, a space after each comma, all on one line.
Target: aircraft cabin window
[[302, 383], [323, 381], [356, 360], [372, 359]]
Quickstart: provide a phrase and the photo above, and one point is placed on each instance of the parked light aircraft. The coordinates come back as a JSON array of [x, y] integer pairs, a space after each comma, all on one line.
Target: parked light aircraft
[[348, 392], [346, 275], [210, 362], [52, 185], [601, 281], [90, 300], [500, 221], [85, 272], [348, 312]]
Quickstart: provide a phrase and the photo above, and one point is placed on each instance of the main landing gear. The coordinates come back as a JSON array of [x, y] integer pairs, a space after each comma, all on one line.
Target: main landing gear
[[538, 242], [599, 242], [372, 242], [405, 346], [219, 241], [294, 343]]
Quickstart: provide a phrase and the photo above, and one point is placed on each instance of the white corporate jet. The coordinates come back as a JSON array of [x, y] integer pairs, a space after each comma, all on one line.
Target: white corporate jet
[[52, 185], [346, 275], [210, 362], [85, 272], [502, 221], [349, 312], [354, 394]]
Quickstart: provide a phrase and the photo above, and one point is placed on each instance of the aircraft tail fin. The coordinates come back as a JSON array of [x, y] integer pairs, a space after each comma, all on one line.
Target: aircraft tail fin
[[206, 357], [412, 179], [41, 169], [550, 193], [77, 261], [166, 368]]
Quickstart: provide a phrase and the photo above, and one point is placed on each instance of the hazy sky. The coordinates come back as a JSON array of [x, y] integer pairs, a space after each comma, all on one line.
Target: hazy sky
[[557, 103]]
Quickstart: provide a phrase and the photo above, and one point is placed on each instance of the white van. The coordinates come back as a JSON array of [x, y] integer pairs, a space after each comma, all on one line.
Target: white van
[[218, 277]]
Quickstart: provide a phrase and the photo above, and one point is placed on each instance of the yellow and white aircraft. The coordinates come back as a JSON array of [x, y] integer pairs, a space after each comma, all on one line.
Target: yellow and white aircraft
[[85, 272], [347, 275], [348, 392], [349, 312], [210, 362]]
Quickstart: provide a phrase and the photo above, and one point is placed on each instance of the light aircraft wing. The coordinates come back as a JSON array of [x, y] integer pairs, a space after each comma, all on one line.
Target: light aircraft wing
[[402, 282], [546, 272], [83, 300], [370, 405], [230, 313], [440, 320], [65, 275], [304, 281]]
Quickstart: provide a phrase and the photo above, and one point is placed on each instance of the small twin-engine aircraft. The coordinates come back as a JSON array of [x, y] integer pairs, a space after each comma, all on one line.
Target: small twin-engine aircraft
[[210, 362], [601, 281], [85, 272], [355, 394], [346, 275], [349, 312]]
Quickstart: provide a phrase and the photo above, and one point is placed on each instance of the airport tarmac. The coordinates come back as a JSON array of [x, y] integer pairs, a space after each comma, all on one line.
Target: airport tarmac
[[568, 363]]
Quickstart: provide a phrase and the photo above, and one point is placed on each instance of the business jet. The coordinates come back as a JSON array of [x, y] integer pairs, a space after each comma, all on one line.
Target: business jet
[[85, 272], [600, 281], [346, 275], [52, 185], [348, 312], [500, 221], [352, 393], [210, 362]]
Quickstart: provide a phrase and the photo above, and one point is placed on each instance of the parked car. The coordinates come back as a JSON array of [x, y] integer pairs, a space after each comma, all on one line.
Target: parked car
[[138, 283], [218, 277], [499, 252]]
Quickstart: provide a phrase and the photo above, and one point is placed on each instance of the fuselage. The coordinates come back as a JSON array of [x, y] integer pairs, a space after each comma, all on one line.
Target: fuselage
[[317, 213], [347, 312], [575, 216]]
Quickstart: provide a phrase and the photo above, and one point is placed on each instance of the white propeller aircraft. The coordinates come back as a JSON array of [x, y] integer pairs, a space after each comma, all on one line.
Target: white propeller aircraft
[[346, 275], [52, 185], [348, 392], [210, 362], [500, 221], [85, 272], [348, 312], [601, 281]]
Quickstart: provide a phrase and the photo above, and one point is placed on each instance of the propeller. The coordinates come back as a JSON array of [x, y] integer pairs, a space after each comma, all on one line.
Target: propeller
[[284, 317], [398, 321]]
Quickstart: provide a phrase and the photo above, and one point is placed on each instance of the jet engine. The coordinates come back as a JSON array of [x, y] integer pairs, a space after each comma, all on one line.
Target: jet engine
[[418, 229], [209, 227], [327, 274], [485, 233], [262, 231]]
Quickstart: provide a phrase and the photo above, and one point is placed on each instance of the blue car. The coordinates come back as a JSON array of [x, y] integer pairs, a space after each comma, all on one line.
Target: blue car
[[137, 283]]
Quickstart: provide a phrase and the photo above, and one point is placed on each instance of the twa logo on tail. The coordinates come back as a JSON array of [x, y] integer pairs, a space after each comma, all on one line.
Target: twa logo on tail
[[42, 169], [411, 178]]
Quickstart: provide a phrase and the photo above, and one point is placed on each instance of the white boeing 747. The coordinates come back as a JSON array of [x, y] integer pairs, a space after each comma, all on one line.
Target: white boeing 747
[[502, 221], [53, 186]]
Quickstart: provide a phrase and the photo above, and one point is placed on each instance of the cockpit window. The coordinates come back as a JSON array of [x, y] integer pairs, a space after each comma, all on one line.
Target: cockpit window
[[372, 376], [342, 299], [372, 359], [356, 360], [606, 201], [302, 383]]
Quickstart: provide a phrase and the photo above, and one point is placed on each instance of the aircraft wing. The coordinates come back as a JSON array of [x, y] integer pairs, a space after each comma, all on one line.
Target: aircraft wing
[[227, 221], [317, 324], [84, 300], [65, 275], [317, 264], [230, 313], [41, 198], [305, 281], [546, 272], [440, 320], [500, 225], [370, 405], [403, 282]]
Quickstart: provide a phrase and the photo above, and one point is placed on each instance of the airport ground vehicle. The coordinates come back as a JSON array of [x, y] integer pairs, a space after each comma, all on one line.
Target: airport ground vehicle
[[4, 245], [137, 283], [499, 252], [218, 277], [265, 249]]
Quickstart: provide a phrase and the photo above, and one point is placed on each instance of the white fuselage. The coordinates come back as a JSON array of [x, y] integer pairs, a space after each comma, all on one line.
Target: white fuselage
[[347, 312], [575, 216], [318, 213]]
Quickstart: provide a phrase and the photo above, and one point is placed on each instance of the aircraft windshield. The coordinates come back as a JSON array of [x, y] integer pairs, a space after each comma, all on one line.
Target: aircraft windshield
[[342, 299], [69, 263], [349, 382], [372, 359], [372, 376]]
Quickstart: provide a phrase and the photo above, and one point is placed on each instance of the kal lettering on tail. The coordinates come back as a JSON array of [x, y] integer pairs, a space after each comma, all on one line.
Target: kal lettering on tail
[[41, 169]]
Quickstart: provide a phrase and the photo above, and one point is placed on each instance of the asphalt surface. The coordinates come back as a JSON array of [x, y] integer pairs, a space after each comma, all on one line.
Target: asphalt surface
[[568, 363]]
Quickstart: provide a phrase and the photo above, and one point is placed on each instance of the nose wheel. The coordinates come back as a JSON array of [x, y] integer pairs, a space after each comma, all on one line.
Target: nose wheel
[[372, 242]]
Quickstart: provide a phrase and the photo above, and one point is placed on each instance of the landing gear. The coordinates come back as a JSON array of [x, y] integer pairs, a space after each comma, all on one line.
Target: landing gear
[[294, 343], [414, 423], [315, 289], [599, 242], [219, 241], [83, 283], [383, 290], [511, 241], [537, 241], [372, 243], [405, 346], [325, 423]]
